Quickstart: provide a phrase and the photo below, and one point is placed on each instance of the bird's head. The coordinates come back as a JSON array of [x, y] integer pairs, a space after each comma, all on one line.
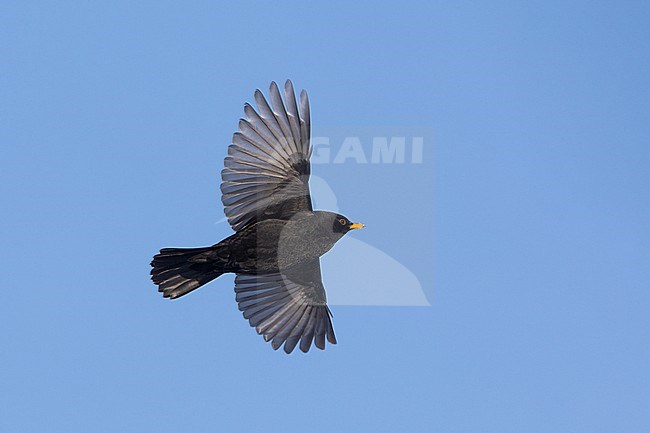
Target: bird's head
[[339, 223]]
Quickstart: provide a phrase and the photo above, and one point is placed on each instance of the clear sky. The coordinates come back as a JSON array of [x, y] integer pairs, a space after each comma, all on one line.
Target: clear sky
[[526, 224]]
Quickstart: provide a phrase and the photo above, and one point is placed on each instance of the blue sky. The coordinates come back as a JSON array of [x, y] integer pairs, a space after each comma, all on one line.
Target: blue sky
[[526, 223]]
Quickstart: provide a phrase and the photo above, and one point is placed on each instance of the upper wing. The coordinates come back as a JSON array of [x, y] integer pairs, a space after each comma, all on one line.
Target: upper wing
[[267, 169], [287, 308]]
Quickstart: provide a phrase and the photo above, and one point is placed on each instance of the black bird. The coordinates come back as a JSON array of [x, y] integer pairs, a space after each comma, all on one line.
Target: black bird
[[279, 238]]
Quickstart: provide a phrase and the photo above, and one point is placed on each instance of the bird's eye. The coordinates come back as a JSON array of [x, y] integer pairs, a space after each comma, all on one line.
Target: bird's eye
[[343, 221]]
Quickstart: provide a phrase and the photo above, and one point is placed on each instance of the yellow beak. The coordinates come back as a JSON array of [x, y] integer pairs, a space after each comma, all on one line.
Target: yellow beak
[[356, 226]]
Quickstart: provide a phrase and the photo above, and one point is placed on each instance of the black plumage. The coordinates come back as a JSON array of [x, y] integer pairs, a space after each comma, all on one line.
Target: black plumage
[[278, 240]]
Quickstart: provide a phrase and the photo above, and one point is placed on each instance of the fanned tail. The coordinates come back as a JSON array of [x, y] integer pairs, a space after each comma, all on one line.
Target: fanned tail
[[178, 271]]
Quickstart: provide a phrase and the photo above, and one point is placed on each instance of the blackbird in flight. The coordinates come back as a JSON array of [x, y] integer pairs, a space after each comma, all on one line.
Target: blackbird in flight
[[279, 238]]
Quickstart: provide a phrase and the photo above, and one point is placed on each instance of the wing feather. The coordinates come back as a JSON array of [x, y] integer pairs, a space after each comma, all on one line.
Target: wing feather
[[287, 309], [266, 172], [292, 115], [280, 113], [305, 124]]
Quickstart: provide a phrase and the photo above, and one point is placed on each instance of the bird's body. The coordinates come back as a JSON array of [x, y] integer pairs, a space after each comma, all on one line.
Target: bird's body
[[276, 245], [278, 237], [272, 245]]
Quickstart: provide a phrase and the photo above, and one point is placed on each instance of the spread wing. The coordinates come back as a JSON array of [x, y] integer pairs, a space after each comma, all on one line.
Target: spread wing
[[287, 308], [267, 169]]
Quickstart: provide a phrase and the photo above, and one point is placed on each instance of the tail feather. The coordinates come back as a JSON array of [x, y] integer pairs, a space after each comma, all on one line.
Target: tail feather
[[176, 274]]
